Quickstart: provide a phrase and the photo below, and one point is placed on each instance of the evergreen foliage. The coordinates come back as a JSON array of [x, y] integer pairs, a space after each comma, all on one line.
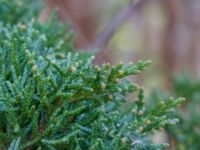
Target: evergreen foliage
[[22, 12], [15, 11], [186, 134], [53, 99]]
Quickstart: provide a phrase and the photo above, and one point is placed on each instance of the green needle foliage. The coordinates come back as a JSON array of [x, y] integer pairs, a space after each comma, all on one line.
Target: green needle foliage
[[22, 12], [186, 134], [54, 99]]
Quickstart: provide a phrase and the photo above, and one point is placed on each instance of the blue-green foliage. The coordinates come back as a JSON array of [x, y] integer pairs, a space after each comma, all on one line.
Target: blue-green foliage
[[21, 12], [53, 99], [50, 99]]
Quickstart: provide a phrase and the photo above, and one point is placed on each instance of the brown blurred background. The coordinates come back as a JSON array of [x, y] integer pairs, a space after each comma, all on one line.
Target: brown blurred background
[[164, 31]]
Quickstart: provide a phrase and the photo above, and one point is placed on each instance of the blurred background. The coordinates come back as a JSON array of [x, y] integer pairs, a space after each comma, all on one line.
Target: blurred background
[[164, 31]]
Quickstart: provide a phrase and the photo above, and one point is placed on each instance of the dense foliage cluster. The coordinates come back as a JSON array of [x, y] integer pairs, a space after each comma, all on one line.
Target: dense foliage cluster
[[21, 12], [51, 98]]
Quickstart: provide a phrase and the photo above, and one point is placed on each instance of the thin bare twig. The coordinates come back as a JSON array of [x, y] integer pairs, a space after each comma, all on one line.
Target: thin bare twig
[[103, 39]]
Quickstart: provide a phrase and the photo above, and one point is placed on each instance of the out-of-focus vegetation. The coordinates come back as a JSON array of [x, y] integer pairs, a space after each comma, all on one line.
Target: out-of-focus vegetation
[[20, 10], [186, 134]]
